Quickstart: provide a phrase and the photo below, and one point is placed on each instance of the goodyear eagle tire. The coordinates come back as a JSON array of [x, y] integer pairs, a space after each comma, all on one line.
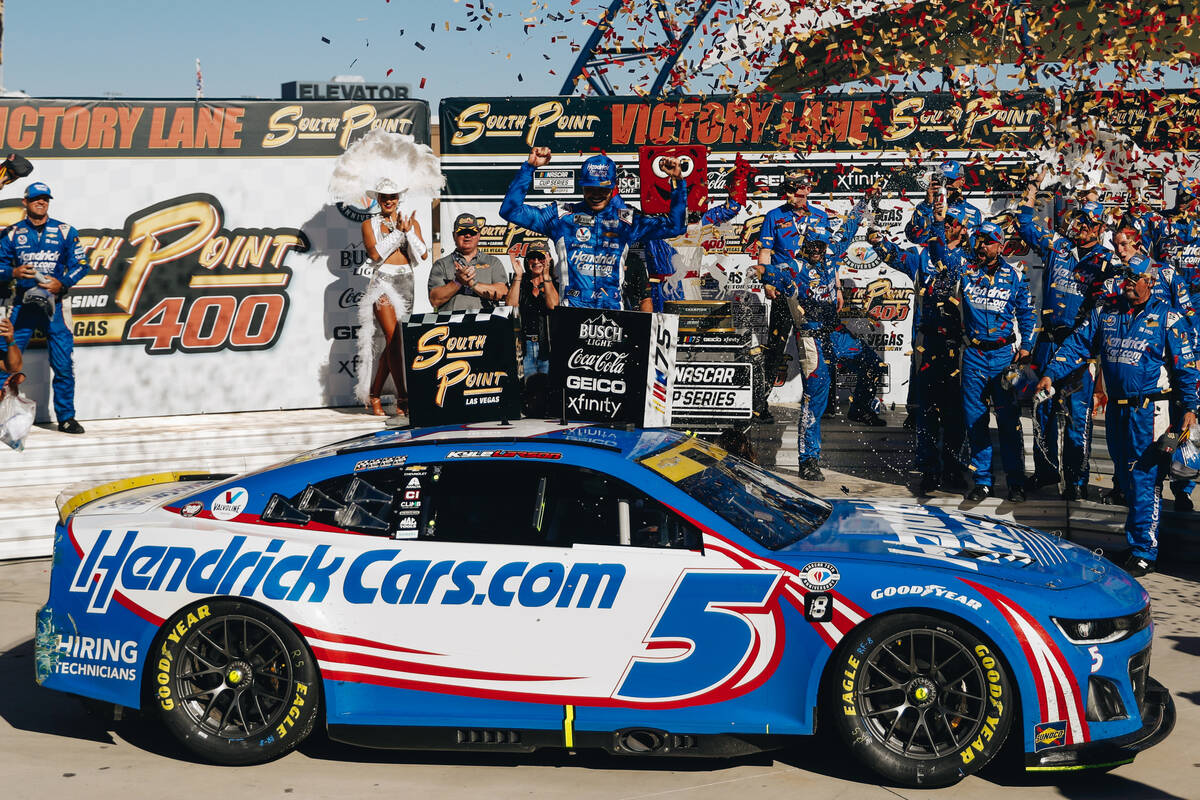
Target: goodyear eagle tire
[[921, 701], [233, 683]]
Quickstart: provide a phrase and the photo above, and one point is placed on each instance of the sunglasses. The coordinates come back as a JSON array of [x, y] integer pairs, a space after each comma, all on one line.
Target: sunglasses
[[384, 198], [466, 232]]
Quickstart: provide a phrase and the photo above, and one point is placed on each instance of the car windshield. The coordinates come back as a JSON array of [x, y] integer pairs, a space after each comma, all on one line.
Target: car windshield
[[758, 503]]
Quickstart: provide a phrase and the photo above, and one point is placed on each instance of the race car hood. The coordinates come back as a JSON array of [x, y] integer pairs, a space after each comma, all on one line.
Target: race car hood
[[934, 537]]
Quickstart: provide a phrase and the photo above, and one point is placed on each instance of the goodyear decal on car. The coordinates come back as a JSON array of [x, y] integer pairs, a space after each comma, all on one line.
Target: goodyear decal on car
[[120, 563]]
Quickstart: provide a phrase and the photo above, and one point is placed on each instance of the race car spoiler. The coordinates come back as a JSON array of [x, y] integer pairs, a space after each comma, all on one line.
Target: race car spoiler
[[68, 504]]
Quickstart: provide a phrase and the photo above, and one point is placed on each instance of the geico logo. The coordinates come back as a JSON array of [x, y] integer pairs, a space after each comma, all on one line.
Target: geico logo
[[688, 374], [590, 384], [342, 332], [307, 574]]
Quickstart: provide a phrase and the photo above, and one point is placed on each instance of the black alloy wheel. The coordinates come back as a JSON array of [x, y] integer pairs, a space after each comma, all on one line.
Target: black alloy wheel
[[920, 700], [234, 684]]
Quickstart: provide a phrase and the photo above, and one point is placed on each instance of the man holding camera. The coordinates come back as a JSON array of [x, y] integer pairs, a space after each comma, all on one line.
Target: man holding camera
[[46, 259], [945, 190]]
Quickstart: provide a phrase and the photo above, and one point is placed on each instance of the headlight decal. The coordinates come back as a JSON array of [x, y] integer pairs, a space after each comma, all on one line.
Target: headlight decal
[[1058, 692]]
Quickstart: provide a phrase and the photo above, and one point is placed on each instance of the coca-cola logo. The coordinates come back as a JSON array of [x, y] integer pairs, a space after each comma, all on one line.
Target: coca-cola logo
[[607, 362], [350, 298]]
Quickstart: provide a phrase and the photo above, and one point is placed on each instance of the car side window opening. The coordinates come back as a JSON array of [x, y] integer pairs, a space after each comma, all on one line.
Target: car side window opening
[[550, 505], [363, 502]]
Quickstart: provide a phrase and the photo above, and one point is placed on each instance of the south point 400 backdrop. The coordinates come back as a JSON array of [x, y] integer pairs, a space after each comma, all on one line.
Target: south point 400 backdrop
[[852, 142], [222, 278]]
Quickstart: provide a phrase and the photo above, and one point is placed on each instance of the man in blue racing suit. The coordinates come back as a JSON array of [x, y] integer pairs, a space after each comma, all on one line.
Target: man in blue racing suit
[[593, 237], [45, 257], [1147, 359], [1074, 272], [934, 378], [812, 280], [1173, 238], [951, 179], [994, 294]]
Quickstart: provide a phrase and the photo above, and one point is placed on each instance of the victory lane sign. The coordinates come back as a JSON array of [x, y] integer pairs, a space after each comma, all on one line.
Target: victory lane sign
[[614, 366], [461, 367]]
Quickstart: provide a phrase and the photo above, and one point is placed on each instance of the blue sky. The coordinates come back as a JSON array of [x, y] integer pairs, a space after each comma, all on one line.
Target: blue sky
[[148, 48]]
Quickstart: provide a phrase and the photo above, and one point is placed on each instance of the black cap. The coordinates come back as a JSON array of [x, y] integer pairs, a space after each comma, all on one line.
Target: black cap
[[537, 249], [466, 221]]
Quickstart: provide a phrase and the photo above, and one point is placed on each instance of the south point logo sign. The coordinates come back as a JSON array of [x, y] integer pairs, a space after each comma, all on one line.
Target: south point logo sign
[[175, 279]]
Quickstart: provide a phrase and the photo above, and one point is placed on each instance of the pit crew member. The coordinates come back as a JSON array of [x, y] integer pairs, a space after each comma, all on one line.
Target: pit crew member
[[1075, 269], [45, 257], [1146, 359], [995, 294]]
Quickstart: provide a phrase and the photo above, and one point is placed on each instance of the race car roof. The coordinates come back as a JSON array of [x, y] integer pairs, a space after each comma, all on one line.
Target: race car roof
[[629, 442]]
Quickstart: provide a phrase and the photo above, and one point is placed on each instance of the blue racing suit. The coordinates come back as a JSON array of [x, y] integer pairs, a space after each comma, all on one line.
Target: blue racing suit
[[991, 302], [783, 232], [1144, 353], [55, 252], [659, 252], [934, 385], [920, 226], [815, 286], [591, 245], [1072, 283], [1176, 242]]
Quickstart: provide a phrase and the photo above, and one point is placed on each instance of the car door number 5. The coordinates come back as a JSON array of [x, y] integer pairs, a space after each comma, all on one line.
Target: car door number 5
[[707, 614], [1097, 659]]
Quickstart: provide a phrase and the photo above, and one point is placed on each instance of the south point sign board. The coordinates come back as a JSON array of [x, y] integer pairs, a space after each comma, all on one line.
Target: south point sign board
[[462, 367], [614, 366]]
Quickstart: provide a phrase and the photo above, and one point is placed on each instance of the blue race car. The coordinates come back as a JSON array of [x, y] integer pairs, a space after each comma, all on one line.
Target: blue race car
[[511, 587]]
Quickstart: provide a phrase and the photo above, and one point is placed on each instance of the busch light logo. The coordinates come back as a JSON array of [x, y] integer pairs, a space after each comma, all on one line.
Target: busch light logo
[[229, 503], [601, 331], [294, 573]]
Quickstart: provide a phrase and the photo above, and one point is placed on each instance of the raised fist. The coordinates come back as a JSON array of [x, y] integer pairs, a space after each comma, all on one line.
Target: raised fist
[[671, 167], [874, 237], [539, 156]]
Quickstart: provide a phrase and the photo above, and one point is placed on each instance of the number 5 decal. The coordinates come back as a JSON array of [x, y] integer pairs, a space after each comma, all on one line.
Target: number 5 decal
[[1097, 658], [708, 615]]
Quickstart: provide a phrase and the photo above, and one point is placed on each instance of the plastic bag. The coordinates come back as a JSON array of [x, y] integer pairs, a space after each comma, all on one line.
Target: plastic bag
[[16, 418], [1185, 461]]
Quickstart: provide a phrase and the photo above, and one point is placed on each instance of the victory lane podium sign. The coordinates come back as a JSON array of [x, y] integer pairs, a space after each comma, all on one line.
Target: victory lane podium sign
[[461, 367], [614, 366]]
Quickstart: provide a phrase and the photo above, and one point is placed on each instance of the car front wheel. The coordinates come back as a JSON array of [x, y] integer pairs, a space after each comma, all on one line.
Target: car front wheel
[[921, 701], [234, 683]]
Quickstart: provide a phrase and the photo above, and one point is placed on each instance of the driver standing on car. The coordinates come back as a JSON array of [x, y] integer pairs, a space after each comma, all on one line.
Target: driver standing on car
[[46, 259]]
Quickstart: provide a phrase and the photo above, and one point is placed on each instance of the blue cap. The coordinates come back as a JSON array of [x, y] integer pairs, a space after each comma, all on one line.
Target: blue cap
[[816, 233], [598, 171], [951, 170], [990, 231], [1140, 265], [1093, 211], [958, 213], [1189, 187], [37, 189]]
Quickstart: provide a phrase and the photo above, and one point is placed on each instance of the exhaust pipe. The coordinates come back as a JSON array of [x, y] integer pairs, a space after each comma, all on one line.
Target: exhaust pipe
[[641, 741]]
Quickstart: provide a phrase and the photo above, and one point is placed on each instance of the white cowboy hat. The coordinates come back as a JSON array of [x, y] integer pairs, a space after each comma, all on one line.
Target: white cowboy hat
[[385, 186]]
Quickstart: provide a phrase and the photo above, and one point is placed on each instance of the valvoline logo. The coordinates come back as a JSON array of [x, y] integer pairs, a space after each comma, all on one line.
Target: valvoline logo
[[229, 503]]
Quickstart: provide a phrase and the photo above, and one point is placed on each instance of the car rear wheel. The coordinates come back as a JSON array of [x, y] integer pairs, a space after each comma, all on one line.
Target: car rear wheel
[[234, 683], [922, 701]]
